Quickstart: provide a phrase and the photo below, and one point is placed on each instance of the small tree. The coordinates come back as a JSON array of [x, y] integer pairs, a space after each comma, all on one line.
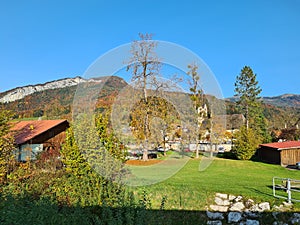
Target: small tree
[[197, 98], [245, 144], [6, 144]]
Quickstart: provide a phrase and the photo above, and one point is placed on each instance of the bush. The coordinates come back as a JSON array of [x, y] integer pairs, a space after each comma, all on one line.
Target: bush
[[246, 143]]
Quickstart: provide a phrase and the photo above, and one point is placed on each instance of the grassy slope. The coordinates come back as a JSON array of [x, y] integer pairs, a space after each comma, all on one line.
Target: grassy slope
[[193, 190]]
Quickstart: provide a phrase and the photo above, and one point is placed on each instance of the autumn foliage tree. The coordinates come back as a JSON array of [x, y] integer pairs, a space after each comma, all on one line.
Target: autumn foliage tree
[[144, 66], [6, 144]]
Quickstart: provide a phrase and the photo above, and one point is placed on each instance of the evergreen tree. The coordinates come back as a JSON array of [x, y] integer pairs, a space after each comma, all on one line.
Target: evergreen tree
[[247, 91], [255, 131]]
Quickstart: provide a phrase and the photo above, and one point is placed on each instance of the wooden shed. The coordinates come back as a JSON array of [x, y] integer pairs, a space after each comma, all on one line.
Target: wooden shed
[[37, 136], [283, 153]]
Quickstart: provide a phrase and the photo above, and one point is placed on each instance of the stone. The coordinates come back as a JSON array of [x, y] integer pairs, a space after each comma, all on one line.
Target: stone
[[249, 203], [274, 214], [238, 206], [214, 222], [251, 214], [255, 208], [279, 223], [252, 222], [223, 196], [231, 197], [214, 215], [295, 218], [288, 205], [279, 208], [220, 201], [234, 217], [238, 198], [264, 206], [219, 208]]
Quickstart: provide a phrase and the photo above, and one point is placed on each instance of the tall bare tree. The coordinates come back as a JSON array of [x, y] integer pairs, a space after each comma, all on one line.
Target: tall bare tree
[[145, 67], [197, 98]]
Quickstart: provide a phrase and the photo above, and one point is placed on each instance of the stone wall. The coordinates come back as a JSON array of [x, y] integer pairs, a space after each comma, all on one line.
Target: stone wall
[[230, 209]]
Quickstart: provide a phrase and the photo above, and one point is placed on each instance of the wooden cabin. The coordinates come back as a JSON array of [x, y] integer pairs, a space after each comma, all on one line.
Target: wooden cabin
[[283, 153]]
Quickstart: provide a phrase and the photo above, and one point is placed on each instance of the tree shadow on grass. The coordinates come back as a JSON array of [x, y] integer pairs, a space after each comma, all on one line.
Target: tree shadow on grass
[[260, 192], [22, 210]]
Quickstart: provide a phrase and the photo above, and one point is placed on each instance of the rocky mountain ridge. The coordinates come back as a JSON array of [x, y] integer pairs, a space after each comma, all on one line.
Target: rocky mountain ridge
[[21, 92]]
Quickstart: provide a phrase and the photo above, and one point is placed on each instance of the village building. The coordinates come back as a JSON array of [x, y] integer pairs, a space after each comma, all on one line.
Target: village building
[[33, 138], [283, 153]]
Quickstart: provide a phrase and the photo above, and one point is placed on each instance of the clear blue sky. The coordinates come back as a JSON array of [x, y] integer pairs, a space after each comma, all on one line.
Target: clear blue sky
[[42, 41]]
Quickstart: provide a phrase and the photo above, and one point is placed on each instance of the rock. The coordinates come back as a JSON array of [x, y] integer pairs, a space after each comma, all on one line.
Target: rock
[[251, 214], [234, 217], [252, 222], [220, 201], [288, 205], [223, 196], [214, 215], [255, 208], [279, 208], [279, 223], [214, 222], [231, 197], [238, 206], [219, 208], [295, 219], [274, 214], [21, 92], [238, 198], [296, 215], [264, 206], [249, 203]]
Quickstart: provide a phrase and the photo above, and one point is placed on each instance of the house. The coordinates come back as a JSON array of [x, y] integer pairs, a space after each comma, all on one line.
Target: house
[[283, 153], [37, 137]]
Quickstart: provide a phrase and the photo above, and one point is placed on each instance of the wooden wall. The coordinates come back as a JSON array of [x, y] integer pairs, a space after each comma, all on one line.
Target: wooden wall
[[269, 155], [290, 156]]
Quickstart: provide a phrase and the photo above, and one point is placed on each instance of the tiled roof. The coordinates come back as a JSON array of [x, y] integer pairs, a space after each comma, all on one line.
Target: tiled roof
[[282, 145], [27, 130]]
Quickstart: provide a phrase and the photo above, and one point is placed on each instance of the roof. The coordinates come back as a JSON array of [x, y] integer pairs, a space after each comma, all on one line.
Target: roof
[[282, 145], [27, 130]]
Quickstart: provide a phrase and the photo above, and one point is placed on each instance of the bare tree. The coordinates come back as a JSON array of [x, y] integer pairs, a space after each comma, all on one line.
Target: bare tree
[[145, 67], [197, 98]]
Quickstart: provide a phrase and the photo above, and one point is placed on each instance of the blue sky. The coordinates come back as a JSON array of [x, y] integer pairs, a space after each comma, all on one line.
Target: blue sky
[[42, 41]]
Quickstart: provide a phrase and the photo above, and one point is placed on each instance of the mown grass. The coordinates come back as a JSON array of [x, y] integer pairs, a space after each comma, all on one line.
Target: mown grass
[[191, 189]]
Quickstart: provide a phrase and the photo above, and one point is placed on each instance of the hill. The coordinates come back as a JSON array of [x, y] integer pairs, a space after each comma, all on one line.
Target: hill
[[285, 100], [54, 102], [289, 100]]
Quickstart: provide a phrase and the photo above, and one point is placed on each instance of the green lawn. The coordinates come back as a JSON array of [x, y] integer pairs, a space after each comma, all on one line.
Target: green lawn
[[191, 189]]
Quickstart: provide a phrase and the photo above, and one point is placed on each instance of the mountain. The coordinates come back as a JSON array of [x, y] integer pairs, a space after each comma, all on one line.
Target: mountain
[[21, 92], [54, 99], [286, 100], [289, 100]]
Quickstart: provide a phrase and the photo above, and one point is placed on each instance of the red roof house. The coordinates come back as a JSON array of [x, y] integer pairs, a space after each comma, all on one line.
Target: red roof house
[[283, 153], [34, 137]]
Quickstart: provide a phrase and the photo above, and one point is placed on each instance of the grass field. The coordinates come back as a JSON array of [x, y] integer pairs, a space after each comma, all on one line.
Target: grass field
[[191, 189]]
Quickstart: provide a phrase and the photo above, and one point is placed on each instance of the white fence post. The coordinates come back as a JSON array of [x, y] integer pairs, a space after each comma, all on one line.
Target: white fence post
[[289, 190]]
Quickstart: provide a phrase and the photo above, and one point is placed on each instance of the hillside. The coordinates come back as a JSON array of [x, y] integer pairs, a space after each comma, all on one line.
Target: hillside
[[286, 100], [289, 100], [55, 102], [55, 99]]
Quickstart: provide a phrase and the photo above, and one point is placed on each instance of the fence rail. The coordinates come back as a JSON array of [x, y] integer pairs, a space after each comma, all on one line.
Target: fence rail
[[287, 185]]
